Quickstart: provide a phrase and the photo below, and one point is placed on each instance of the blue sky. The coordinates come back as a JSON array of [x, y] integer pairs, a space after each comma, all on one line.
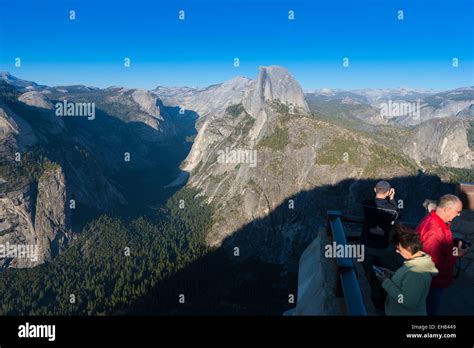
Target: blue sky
[[199, 51]]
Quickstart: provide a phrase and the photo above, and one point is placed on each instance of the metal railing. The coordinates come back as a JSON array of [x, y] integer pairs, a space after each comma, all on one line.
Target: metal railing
[[360, 220], [347, 284]]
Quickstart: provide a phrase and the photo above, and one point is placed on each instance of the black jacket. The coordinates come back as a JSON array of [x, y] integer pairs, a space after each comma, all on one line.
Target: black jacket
[[379, 215]]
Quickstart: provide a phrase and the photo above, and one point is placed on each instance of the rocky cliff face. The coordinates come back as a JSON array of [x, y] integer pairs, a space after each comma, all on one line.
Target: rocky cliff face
[[442, 141], [52, 215], [252, 160], [253, 97], [35, 216], [11, 126], [37, 99], [32, 212], [72, 158], [210, 101], [16, 225], [138, 105], [273, 83]]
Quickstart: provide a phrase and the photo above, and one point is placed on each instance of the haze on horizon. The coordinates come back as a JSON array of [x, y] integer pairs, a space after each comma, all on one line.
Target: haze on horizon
[[306, 90]]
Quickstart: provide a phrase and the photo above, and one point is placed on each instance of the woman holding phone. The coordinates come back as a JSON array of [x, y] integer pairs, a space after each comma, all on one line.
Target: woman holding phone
[[408, 287]]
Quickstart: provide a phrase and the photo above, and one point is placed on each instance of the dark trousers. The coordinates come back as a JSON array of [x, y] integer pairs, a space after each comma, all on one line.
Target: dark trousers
[[433, 301], [387, 258]]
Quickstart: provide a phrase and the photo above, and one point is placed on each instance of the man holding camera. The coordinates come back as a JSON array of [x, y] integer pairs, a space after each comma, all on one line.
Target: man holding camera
[[380, 213], [435, 234]]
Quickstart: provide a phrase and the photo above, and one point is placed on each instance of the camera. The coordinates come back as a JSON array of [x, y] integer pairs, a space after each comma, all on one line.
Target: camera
[[465, 243]]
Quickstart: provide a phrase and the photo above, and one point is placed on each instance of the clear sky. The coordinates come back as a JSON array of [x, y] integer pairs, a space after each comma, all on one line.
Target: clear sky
[[382, 50]]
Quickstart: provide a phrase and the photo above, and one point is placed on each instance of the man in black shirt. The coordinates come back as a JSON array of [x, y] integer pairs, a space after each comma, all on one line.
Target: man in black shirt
[[380, 214]]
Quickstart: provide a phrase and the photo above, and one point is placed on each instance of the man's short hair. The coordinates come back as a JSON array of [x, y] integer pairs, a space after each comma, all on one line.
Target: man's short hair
[[406, 237], [382, 187], [448, 201]]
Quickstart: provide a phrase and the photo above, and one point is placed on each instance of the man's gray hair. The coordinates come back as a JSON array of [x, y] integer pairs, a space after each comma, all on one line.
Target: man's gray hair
[[382, 187], [448, 201]]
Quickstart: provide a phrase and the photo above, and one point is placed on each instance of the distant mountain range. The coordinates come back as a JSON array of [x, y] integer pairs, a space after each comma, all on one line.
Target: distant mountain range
[[117, 162], [247, 145]]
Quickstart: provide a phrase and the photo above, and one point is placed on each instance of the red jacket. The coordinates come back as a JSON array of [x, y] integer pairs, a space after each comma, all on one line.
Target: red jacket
[[437, 241]]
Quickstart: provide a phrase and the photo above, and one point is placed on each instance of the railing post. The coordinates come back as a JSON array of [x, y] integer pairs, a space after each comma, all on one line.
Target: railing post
[[331, 215], [346, 284]]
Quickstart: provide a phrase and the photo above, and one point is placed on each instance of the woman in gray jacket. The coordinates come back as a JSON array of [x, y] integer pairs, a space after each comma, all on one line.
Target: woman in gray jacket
[[408, 287]]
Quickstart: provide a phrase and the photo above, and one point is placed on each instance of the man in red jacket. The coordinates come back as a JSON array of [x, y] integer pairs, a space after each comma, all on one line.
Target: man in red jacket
[[437, 239]]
